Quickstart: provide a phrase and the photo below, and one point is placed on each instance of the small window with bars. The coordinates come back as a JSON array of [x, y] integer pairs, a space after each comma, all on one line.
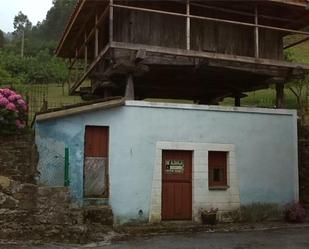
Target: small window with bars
[[217, 169]]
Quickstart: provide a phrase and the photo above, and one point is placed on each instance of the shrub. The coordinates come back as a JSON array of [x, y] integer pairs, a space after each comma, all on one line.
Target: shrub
[[294, 212], [257, 212], [13, 111]]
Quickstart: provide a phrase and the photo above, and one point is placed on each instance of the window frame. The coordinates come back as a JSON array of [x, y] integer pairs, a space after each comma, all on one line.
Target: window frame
[[215, 162]]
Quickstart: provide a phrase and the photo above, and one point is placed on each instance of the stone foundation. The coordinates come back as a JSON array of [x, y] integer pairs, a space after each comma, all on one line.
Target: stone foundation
[[28, 211], [32, 212], [18, 157]]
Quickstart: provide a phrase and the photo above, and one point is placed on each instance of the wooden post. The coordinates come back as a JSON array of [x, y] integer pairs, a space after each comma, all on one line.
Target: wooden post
[[256, 33], [76, 65], [96, 38], [280, 95], [111, 21], [86, 54], [237, 100], [129, 94], [188, 26]]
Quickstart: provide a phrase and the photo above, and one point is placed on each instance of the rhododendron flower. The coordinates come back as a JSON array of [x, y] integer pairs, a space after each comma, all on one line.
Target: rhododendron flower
[[11, 107], [21, 102], [20, 124], [7, 92], [16, 110], [12, 97], [3, 101]]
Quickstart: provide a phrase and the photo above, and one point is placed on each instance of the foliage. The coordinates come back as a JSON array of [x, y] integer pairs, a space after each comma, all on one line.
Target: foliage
[[257, 212], [42, 69], [2, 39], [294, 212], [13, 111], [38, 66], [52, 27], [299, 88], [21, 23]]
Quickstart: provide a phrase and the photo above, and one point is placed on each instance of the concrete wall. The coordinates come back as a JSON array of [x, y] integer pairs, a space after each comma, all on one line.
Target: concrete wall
[[265, 143]]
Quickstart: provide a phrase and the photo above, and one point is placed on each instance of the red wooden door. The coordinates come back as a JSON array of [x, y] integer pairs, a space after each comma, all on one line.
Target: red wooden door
[[176, 185], [96, 161]]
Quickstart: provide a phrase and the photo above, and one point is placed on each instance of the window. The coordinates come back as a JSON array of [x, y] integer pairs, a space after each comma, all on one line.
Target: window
[[217, 169]]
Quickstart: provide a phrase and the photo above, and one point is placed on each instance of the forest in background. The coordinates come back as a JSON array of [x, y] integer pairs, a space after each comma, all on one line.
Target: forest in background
[[36, 63]]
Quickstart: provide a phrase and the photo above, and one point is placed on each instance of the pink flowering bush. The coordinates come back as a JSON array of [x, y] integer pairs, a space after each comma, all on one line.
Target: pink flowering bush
[[294, 212], [13, 111]]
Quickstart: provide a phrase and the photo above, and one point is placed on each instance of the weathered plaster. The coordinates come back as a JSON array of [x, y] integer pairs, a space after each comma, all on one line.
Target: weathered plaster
[[265, 149]]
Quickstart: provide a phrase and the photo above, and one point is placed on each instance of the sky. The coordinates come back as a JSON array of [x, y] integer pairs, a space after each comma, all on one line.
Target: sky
[[35, 10]]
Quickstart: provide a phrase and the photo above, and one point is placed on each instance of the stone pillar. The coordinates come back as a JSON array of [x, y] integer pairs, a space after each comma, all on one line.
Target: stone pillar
[[279, 95], [237, 100], [129, 93]]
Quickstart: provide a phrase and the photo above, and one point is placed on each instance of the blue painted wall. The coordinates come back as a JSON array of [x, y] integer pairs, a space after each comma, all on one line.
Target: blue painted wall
[[266, 150]]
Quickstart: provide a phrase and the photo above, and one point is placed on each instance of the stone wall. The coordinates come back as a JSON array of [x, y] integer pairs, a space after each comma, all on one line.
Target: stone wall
[[28, 211], [304, 165], [18, 157], [41, 213]]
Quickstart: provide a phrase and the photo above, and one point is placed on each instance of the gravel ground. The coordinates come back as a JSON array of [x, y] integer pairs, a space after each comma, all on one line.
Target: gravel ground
[[288, 238]]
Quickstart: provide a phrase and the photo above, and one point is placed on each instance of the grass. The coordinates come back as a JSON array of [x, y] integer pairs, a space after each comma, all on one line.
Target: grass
[[264, 98]]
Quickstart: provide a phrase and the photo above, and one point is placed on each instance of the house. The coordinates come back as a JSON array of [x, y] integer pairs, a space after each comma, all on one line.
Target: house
[[153, 161]]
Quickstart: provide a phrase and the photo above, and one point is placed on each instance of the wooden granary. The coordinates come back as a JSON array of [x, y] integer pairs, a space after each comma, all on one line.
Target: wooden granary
[[202, 51]]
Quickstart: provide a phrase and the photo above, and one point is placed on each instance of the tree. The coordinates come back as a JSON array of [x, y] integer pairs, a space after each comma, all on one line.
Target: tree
[[2, 39], [21, 25], [299, 88]]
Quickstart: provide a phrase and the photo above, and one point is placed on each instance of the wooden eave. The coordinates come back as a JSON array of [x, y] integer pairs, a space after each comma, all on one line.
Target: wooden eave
[[85, 10]]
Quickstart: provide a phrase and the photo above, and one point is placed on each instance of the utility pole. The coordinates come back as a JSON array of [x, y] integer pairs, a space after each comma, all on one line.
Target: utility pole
[[22, 43]]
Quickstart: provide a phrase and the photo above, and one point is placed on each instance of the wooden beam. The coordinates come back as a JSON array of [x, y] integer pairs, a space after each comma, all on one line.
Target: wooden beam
[[291, 2], [188, 22], [86, 54], [242, 13], [256, 33], [211, 19], [69, 27], [209, 55], [96, 37], [90, 68], [111, 21], [296, 43]]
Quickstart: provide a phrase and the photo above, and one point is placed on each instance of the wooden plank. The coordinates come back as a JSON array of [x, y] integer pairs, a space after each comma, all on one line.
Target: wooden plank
[[242, 13], [208, 55], [111, 21], [211, 19], [292, 2], [256, 32], [188, 23]]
